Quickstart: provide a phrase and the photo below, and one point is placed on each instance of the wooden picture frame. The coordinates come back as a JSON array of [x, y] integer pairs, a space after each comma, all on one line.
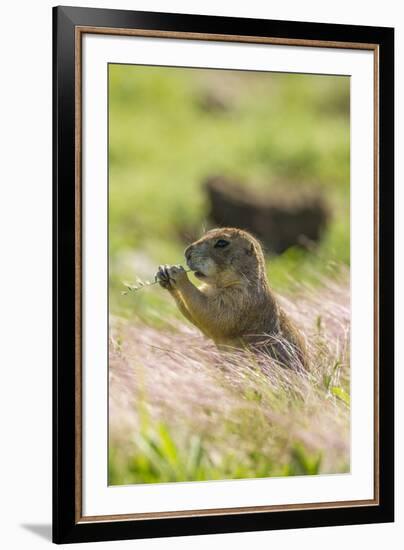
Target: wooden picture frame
[[70, 24]]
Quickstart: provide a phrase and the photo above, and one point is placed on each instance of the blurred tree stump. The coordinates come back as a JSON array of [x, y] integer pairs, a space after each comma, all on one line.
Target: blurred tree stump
[[281, 217]]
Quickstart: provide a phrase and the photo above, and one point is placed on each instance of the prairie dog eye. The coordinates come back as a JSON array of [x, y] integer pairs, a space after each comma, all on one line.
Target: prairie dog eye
[[221, 243]]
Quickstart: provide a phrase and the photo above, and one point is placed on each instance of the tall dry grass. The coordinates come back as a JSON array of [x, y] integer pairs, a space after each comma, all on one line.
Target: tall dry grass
[[181, 410]]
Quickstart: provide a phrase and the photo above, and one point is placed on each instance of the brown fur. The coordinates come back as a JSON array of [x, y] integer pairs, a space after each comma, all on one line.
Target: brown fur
[[235, 305]]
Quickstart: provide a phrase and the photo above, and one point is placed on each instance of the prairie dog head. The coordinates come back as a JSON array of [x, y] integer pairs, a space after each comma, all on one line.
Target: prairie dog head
[[226, 256]]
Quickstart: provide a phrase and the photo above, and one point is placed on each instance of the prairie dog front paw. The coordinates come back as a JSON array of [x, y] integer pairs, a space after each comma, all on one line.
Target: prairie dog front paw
[[171, 277]]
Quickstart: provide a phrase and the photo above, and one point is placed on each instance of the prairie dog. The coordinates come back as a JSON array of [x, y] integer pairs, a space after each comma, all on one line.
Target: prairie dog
[[235, 305]]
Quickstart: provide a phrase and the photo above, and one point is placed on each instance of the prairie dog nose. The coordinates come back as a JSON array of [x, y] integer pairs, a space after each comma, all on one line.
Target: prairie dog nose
[[187, 252]]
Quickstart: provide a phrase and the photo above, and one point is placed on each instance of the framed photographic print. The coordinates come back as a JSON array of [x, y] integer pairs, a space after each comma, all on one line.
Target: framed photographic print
[[223, 274]]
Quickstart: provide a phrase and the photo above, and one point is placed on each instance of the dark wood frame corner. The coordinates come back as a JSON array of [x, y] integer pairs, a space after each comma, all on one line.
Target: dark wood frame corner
[[69, 25]]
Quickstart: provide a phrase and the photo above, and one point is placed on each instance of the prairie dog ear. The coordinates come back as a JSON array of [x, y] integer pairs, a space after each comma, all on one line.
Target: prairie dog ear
[[250, 249]]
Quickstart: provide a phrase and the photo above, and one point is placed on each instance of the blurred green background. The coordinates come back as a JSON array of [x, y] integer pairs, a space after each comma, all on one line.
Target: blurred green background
[[171, 128]]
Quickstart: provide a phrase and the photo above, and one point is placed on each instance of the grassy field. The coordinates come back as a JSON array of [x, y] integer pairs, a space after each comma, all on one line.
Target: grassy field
[[179, 409]]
